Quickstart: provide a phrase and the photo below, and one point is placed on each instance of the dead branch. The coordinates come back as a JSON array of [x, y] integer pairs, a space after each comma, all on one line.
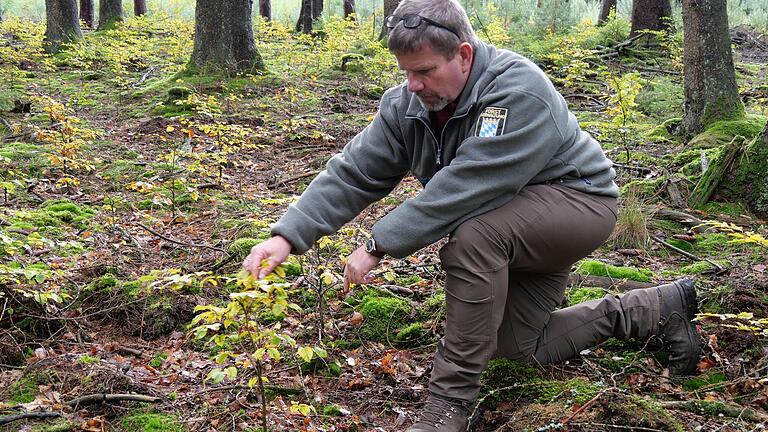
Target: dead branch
[[277, 182], [29, 415], [727, 409], [576, 279], [204, 246], [689, 255], [6, 124], [102, 398], [397, 289], [678, 216]]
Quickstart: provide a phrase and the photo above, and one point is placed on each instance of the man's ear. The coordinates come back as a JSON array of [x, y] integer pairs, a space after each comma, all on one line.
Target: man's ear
[[466, 52]]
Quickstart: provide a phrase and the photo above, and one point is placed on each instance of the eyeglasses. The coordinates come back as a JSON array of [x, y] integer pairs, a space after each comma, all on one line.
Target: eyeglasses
[[412, 21]]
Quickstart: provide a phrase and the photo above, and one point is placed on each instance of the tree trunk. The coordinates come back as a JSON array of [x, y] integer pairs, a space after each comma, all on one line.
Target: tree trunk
[[265, 9], [709, 79], [606, 6], [349, 8], [62, 24], [224, 37], [317, 9], [650, 15], [139, 7], [87, 12], [389, 9], [110, 12], [304, 24]]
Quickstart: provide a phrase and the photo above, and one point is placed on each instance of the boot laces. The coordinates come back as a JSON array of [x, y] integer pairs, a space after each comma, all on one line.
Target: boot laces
[[437, 410]]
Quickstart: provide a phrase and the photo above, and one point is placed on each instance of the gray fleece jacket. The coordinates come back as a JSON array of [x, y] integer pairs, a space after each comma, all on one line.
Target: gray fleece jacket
[[511, 128]]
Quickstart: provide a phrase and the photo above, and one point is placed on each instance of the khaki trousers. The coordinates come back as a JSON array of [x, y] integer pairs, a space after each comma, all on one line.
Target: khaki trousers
[[506, 272]]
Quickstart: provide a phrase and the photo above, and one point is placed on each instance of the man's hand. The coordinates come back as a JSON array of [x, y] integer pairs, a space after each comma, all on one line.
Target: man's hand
[[275, 249], [359, 264]]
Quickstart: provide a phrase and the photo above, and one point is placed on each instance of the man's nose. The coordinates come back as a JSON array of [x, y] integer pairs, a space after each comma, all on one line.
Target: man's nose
[[414, 84]]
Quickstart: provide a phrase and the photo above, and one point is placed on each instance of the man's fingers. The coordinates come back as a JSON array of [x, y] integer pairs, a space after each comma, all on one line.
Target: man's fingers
[[265, 271]]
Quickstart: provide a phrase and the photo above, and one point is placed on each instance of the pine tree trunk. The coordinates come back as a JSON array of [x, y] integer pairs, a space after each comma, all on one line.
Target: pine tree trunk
[[650, 15], [709, 80], [87, 12], [304, 24], [224, 37], [349, 8], [265, 9], [61, 23], [110, 12], [139, 7], [605, 10], [317, 9], [389, 9]]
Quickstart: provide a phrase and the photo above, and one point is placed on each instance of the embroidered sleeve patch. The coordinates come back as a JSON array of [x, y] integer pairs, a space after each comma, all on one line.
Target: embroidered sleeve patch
[[491, 122]]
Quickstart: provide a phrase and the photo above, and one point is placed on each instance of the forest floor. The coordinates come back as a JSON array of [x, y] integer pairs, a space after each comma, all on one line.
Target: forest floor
[[129, 198]]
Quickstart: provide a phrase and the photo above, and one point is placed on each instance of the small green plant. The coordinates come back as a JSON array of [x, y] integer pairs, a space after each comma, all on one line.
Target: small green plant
[[238, 324]]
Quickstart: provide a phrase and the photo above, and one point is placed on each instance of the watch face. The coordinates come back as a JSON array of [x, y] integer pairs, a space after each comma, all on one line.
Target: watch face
[[370, 245]]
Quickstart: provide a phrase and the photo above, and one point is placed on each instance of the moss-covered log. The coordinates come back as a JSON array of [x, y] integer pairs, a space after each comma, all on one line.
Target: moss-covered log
[[717, 171]]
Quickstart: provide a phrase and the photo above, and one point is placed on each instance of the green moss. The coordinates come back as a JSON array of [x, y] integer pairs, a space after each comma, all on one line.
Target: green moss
[[704, 380], [86, 359], [319, 366], [408, 280], [433, 308], [240, 248], [643, 189], [698, 267], [726, 208], [722, 132], [668, 131], [382, 316], [132, 288], [582, 294], [712, 243], [25, 389], [412, 335], [505, 379], [56, 213], [331, 410], [661, 98], [597, 268], [29, 158], [106, 283], [151, 422], [681, 244]]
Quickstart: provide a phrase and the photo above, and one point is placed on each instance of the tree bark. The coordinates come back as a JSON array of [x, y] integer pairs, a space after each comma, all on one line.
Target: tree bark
[[389, 9], [110, 12], [317, 9], [224, 37], [87, 12], [650, 15], [605, 10], [265, 9], [349, 8], [139, 7], [709, 80], [304, 24], [61, 23]]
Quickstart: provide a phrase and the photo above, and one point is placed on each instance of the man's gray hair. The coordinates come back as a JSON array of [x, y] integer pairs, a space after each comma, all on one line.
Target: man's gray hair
[[448, 13]]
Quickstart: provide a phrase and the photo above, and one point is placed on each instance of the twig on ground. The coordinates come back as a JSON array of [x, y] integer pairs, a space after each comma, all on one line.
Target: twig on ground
[[204, 246], [6, 124], [689, 255], [29, 415], [586, 405], [279, 182], [102, 398], [606, 426]]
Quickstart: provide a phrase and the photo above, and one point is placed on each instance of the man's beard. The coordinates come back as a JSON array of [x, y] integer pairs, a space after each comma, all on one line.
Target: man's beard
[[440, 103]]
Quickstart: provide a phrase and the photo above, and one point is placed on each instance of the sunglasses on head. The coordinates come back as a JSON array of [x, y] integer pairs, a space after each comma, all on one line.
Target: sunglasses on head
[[413, 20]]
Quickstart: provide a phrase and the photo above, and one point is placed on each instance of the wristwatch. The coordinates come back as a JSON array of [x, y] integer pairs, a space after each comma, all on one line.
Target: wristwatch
[[370, 247]]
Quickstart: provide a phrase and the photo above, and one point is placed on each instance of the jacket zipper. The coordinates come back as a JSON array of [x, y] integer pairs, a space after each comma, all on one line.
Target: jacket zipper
[[439, 144]]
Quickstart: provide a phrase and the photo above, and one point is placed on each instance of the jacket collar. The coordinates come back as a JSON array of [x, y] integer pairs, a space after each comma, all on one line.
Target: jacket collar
[[468, 96]]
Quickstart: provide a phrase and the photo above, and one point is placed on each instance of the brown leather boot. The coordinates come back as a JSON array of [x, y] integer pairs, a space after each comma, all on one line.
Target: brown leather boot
[[677, 307], [445, 415]]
